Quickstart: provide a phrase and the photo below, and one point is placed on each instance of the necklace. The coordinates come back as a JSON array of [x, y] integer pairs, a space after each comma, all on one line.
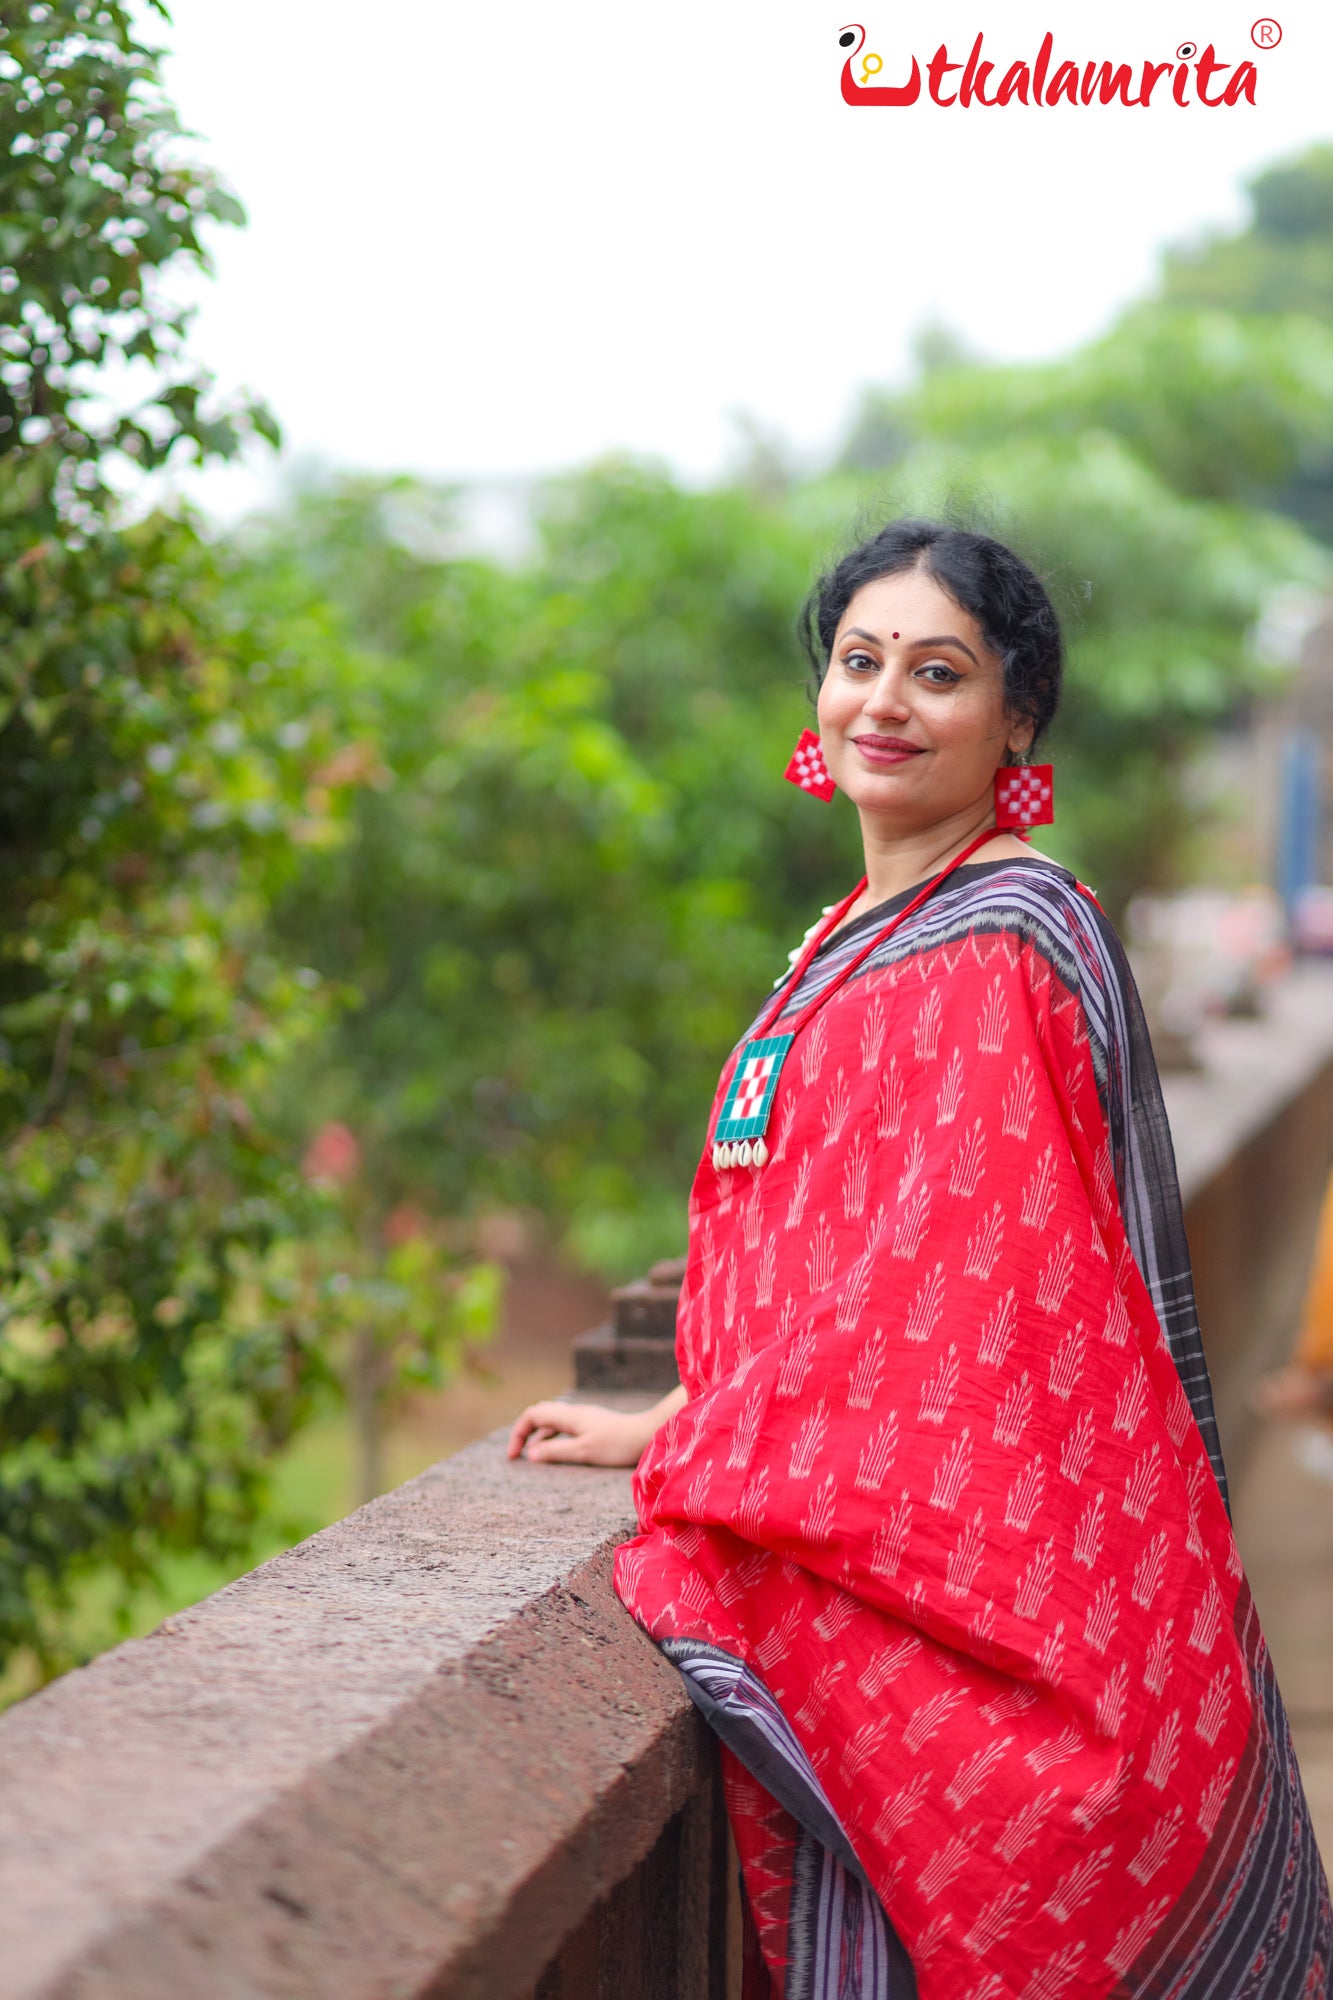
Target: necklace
[[738, 1136]]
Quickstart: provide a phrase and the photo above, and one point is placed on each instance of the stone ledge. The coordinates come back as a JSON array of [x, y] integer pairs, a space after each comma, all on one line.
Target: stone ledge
[[403, 1757], [1250, 1072], [1253, 1136]]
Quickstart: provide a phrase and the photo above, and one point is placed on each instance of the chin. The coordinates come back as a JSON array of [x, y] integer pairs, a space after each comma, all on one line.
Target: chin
[[888, 794]]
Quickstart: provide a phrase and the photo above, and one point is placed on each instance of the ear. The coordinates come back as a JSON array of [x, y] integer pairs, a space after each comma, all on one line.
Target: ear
[[1019, 739]]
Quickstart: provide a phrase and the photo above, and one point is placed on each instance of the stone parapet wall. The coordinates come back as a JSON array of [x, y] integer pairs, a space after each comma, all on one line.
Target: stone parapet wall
[[1253, 1133], [416, 1754]]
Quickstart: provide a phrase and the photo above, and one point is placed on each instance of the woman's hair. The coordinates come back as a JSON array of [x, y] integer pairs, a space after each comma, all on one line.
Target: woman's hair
[[1008, 601]]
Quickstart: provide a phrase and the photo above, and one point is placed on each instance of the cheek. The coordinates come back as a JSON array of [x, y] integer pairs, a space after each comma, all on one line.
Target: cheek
[[972, 729], [832, 707]]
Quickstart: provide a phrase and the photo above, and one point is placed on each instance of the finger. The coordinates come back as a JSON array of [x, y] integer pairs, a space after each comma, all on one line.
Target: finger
[[553, 1416], [560, 1451], [523, 1425], [543, 1417]]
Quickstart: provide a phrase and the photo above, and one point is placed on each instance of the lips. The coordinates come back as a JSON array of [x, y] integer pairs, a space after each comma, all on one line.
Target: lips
[[886, 749]]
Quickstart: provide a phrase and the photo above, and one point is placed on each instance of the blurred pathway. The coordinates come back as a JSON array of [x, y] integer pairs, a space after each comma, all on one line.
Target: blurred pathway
[[1284, 1523]]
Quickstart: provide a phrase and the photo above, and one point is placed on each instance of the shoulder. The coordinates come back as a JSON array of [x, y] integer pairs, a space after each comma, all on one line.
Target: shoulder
[[1044, 908], [1027, 894]]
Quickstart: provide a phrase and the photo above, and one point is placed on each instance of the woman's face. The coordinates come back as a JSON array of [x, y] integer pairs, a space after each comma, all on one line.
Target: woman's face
[[912, 716]]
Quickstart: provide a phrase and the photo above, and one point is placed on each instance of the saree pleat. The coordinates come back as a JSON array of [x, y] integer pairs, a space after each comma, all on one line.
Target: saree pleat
[[940, 1542]]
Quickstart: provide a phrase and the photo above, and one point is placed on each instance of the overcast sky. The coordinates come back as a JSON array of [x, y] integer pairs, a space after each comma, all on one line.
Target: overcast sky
[[490, 241]]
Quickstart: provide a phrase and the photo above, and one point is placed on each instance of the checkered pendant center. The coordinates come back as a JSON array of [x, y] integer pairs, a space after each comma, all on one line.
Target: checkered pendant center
[[743, 1119]]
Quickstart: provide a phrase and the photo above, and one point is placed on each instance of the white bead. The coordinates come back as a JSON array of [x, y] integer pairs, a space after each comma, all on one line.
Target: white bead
[[744, 1158], [760, 1153], [726, 1155], [717, 1159]]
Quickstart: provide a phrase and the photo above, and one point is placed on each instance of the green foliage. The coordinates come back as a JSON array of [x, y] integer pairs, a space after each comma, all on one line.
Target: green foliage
[[576, 873], [158, 1336], [1220, 408], [1281, 263], [95, 200], [150, 1356]]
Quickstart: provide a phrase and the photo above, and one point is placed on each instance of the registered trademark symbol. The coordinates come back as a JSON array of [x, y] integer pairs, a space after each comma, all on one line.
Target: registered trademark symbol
[[1266, 33]]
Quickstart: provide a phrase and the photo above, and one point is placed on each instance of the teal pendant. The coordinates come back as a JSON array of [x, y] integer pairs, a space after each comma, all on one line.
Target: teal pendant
[[738, 1138]]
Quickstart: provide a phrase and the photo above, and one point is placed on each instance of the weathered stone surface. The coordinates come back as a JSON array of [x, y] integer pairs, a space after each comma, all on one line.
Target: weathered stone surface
[[405, 1757], [1284, 1524], [1253, 1133]]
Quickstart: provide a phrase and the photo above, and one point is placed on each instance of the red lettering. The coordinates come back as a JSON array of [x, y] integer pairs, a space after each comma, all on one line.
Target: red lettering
[[1064, 84], [1094, 82], [1112, 83], [1041, 66], [974, 79], [1152, 76], [1241, 85], [937, 69], [1205, 69]]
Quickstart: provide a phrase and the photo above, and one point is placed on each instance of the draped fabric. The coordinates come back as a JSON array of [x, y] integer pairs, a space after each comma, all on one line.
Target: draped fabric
[[940, 1539]]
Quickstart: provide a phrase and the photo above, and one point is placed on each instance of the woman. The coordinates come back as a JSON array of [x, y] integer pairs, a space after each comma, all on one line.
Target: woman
[[936, 1526]]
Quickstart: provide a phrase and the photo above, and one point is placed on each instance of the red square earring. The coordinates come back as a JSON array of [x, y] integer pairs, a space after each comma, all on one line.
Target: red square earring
[[807, 767], [1024, 796]]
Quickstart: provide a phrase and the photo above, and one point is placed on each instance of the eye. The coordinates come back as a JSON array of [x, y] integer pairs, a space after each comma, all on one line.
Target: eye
[[846, 39], [860, 662], [940, 675]]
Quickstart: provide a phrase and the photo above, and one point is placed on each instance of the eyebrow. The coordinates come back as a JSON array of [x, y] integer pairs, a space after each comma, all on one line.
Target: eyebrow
[[944, 639]]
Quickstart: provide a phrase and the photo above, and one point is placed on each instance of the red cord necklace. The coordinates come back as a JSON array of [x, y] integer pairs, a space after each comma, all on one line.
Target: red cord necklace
[[738, 1136]]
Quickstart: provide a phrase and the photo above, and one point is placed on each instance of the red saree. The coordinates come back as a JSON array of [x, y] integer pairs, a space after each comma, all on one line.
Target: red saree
[[940, 1540]]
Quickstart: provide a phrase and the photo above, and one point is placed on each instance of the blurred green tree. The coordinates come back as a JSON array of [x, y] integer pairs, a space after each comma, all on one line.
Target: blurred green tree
[[159, 776], [577, 869], [1281, 263]]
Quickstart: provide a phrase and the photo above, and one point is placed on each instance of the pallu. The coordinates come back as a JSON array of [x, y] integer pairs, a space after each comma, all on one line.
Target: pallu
[[940, 1540]]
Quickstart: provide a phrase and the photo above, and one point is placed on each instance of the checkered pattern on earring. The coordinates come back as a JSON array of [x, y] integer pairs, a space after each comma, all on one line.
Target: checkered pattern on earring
[[807, 767], [1024, 795]]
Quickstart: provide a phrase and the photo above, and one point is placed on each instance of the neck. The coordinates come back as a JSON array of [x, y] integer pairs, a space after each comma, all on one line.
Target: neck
[[896, 858]]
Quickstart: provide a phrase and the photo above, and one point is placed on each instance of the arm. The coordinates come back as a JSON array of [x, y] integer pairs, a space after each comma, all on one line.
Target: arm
[[586, 1434]]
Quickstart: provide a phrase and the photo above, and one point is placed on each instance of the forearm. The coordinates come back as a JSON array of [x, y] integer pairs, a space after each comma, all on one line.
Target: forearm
[[651, 1421]]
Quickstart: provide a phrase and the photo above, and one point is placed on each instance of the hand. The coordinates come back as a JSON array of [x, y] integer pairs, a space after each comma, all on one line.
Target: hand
[[580, 1434]]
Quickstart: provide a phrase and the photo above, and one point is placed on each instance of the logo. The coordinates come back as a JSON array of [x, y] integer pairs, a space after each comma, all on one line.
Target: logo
[[1193, 76]]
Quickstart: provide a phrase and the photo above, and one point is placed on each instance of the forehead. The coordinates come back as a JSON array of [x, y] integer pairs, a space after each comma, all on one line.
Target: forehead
[[914, 605]]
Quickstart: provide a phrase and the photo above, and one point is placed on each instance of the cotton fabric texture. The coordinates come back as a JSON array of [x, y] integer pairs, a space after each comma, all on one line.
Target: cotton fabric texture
[[940, 1541]]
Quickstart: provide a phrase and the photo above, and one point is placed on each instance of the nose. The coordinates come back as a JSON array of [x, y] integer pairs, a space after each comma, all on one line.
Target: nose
[[887, 695]]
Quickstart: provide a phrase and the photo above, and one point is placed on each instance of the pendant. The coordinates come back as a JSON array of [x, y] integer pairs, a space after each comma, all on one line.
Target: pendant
[[738, 1137]]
